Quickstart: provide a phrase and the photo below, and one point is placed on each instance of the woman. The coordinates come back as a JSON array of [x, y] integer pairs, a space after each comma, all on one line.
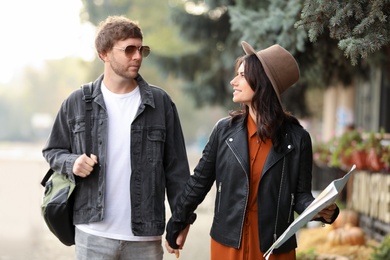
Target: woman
[[261, 160]]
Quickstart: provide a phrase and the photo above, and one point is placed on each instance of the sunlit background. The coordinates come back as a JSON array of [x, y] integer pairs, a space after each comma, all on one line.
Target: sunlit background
[[35, 31]]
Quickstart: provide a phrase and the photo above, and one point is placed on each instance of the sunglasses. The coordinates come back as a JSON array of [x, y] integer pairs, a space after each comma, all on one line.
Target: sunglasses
[[131, 49]]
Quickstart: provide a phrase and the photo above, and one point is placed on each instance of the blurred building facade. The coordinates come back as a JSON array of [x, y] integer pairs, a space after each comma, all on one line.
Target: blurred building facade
[[365, 104]]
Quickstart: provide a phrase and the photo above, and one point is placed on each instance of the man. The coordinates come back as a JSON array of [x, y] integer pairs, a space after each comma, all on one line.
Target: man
[[138, 152]]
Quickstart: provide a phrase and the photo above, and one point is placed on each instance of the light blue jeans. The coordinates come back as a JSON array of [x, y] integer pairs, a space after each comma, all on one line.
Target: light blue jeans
[[90, 247]]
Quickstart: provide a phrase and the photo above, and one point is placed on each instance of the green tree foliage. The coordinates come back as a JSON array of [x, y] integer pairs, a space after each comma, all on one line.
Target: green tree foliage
[[153, 16], [208, 68], [321, 63], [218, 27], [97, 10], [326, 37], [360, 27], [273, 22], [198, 40]]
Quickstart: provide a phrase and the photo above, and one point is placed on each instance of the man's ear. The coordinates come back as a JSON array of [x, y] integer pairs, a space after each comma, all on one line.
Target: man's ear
[[103, 56]]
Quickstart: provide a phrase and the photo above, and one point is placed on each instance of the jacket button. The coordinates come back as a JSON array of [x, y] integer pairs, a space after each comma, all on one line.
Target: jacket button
[[289, 146], [230, 139]]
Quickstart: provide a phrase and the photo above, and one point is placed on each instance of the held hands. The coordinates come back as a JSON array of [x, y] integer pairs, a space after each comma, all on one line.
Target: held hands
[[181, 239], [83, 166]]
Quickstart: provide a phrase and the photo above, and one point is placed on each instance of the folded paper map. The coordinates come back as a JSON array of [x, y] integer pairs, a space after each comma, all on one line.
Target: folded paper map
[[327, 197]]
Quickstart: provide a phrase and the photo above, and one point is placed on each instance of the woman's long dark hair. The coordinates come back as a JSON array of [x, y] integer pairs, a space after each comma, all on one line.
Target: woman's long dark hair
[[270, 115]]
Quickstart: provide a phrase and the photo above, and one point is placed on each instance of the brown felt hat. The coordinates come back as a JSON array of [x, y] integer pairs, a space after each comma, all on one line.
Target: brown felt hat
[[279, 65]]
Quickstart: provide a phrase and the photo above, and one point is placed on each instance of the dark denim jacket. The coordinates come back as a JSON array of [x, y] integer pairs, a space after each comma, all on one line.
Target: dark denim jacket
[[158, 156]]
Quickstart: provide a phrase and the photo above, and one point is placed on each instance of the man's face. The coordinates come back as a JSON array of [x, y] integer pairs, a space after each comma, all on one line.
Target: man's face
[[125, 60]]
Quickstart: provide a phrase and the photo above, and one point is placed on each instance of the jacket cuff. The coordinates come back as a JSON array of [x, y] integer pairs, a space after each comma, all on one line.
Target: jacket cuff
[[175, 227]]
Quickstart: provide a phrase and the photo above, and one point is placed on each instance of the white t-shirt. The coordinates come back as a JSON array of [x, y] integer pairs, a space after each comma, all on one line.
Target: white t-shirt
[[121, 109]]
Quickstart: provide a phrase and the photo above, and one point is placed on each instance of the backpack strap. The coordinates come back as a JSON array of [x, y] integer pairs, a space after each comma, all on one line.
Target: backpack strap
[[87, 92], [47, 177]]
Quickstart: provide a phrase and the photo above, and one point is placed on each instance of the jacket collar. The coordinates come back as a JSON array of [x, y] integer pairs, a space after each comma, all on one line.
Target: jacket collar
[[146, 92], [240, 145]]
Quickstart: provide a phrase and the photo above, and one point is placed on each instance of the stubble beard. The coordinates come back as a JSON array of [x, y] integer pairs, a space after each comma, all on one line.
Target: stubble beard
[[127, 72]]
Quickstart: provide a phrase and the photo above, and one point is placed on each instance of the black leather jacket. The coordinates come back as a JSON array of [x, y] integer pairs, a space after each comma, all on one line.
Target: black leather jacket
[[285, 185]]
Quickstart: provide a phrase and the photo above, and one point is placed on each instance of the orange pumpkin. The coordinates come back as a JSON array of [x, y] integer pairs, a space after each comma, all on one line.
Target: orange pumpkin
[[335, 236], [348, 235], [345, 217]]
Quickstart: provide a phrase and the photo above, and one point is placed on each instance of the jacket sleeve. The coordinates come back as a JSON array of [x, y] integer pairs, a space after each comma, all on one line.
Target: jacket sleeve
[[176, 165], [303, 194], [57, 150], [305, 178], [194, 191]]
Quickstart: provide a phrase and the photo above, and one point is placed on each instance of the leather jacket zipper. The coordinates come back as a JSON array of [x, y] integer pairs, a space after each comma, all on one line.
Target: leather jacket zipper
[[219, 195], [246, 197], [291, 208], [278, 205]]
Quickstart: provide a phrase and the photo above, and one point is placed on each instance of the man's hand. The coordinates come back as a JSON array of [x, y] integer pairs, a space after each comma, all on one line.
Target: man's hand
[[181, 239], [83, 166]]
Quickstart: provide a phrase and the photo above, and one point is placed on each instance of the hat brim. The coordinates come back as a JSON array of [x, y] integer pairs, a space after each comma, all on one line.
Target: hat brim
[[250, 50]]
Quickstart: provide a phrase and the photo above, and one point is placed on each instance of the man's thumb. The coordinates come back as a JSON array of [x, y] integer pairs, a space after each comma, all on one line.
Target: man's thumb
[[94, 158]]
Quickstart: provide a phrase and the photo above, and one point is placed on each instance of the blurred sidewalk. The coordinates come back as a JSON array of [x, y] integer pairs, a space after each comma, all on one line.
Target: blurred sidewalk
[[23, 233]]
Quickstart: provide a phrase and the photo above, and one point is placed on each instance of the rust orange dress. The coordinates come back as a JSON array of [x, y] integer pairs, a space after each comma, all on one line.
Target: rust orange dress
[[250, 244]]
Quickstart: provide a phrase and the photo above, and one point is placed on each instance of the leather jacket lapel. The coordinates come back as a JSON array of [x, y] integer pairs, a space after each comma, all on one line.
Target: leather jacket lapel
[[274, 156], [238, 143]]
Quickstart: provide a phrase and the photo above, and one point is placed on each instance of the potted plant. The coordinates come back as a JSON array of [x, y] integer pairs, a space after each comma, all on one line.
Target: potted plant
[[364, 149], [374, 151], [322, 154], [349, 150], [385, 158]]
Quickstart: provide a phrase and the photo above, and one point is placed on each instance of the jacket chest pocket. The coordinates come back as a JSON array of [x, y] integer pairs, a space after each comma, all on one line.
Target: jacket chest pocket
[[78, 136], [155, 144]]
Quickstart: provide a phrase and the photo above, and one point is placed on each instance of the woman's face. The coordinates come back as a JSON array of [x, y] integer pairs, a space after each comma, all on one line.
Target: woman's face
[[243, 92]]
